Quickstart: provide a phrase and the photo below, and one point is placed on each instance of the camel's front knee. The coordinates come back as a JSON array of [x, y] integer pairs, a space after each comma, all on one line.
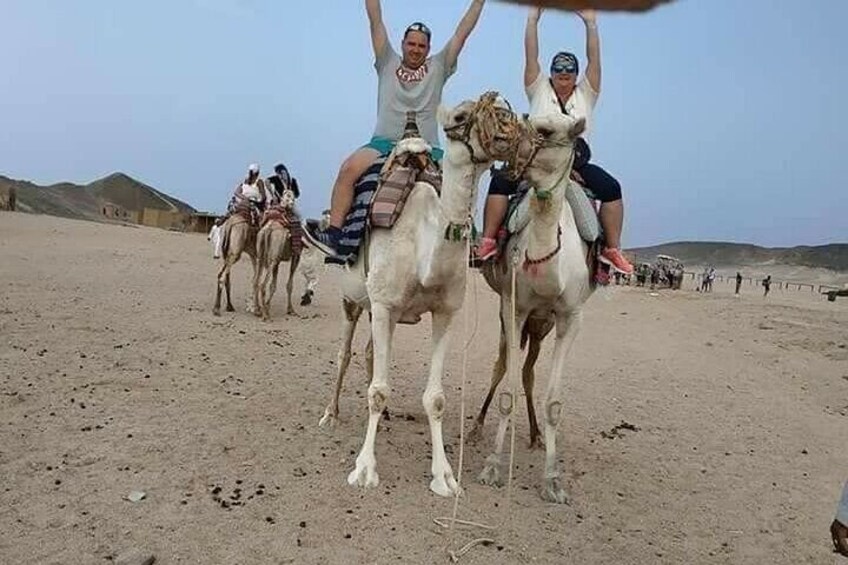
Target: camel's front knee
[[506, 403], [553, 412], [434, 404], [378, 397]]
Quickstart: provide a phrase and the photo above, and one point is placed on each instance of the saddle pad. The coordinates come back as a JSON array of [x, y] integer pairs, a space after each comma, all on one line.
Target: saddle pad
[[354, 226], [581, 206], [290, 219], [396, 182]]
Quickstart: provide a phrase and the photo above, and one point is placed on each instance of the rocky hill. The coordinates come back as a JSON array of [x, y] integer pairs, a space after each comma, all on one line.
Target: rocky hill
[[719, 254], [86, 202]]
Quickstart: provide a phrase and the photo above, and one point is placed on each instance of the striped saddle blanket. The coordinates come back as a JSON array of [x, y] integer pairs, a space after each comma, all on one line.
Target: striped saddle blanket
[[378, 200], [290, 220]]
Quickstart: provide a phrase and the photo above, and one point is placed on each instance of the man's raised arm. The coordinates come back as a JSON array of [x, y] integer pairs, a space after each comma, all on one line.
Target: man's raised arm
[[463, 30]]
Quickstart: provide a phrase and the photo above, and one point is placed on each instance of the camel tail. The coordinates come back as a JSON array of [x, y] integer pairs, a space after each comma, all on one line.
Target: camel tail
[[225, 242]]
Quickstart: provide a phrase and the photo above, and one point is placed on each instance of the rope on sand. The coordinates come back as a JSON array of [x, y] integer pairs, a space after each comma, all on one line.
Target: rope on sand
[[450, 522]]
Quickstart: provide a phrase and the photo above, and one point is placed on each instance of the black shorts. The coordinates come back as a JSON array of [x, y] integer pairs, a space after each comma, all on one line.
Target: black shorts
[[501, 184], [602, 184]]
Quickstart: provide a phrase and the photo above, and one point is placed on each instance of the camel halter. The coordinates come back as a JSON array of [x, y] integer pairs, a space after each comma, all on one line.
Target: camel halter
[[532, 265], [530, 138], [498, 130]]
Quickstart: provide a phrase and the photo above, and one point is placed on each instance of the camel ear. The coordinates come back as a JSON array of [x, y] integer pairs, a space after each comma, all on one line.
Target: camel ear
[[577, 128], [442, 114]]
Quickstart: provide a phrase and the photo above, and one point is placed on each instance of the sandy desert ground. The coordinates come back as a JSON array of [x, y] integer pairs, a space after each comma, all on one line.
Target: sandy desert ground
[[115, 377]]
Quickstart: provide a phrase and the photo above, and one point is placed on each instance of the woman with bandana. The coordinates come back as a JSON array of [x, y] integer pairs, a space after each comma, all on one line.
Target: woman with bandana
[[563, 92]]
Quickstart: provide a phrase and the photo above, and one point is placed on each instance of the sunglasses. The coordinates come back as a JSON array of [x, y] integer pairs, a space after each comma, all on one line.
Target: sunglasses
[[418, 26], [559, 69]]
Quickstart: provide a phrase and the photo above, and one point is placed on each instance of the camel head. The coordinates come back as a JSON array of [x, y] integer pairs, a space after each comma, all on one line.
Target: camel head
[[546, 152], [480, 132], [287, 199]]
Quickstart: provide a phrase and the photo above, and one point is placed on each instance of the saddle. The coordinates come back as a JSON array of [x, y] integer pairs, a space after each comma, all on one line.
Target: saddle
[[246, 210], [408, 163], [290, 220], [581, 200]]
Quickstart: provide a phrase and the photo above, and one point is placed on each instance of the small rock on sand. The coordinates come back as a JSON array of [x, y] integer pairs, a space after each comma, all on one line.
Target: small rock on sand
[[135, 557]]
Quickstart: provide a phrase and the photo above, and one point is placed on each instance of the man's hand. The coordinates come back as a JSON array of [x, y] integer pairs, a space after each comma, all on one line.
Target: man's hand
[[588, 15]]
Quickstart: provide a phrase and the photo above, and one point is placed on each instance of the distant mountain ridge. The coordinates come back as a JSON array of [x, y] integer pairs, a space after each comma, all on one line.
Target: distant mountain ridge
[[86, 202], [833, 256]]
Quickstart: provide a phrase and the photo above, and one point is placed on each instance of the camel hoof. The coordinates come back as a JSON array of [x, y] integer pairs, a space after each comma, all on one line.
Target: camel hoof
[[363, 476], [553, 491], [445, 485], [216, 311], [328, 420], [230, 308], [839, 533], [491, 473]]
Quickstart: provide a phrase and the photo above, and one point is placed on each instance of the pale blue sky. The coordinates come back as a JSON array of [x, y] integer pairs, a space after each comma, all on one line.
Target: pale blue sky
[[723, 119]]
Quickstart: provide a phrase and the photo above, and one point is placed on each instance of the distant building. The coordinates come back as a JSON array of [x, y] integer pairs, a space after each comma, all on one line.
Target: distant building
[[201, 222], [115, 212]]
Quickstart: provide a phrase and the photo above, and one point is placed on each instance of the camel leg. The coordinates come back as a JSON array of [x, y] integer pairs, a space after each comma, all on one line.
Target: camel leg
[[567, 327], [351, 312], [237, 246], [266, 292], [254, 309], [528, 377], [382, 328], [272, 274], [369, 359], [295, 259], [498, 373], [310, 277], [230, 307], [443, 482], [219, 283], [491, 474], [259, 281]]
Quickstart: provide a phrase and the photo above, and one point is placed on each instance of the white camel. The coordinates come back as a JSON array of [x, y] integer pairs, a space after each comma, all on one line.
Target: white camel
[[416, 268], [552, 281]]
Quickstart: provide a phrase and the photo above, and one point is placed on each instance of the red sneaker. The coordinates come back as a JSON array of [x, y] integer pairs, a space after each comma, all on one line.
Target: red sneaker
[[612, 256], [488, 249]]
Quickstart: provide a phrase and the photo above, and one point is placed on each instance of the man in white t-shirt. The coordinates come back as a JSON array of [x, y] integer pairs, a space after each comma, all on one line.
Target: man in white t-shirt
[[412, 80], [563, 92]]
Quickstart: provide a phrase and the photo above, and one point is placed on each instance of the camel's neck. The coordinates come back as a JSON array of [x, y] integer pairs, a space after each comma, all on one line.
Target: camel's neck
[[546, 219], [459, 191]]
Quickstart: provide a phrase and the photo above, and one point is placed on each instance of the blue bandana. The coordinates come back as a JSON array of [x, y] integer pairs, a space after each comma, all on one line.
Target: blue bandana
[[564, 62]]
